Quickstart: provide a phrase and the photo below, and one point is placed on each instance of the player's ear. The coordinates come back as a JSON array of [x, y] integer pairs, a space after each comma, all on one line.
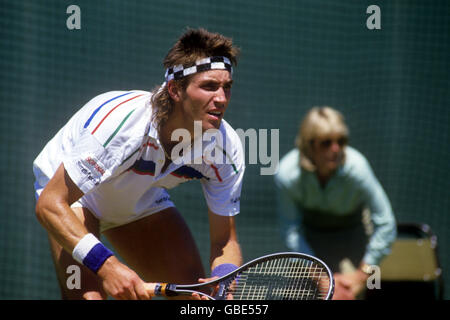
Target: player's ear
[[174, 91]]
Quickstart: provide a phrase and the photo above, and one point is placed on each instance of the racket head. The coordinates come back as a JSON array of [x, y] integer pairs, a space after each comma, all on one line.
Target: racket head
[[277, 276]]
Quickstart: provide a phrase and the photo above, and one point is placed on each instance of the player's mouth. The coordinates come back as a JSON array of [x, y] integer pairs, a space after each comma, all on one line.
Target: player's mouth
[[215, 115]]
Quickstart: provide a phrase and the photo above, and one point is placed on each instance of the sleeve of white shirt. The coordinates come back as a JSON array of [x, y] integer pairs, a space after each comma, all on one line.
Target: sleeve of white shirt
[[223, 189], [96, 151]]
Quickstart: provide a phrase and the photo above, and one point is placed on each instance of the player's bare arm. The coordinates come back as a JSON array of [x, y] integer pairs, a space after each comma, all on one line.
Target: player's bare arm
[[224, 242], [54, 213]]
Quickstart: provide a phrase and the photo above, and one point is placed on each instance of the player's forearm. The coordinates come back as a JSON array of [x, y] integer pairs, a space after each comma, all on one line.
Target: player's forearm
[[228, 253], [225, 247], [54, 212]]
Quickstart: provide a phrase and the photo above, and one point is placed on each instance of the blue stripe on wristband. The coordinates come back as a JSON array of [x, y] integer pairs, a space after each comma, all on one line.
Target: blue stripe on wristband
[[96, 257], [223, 269]]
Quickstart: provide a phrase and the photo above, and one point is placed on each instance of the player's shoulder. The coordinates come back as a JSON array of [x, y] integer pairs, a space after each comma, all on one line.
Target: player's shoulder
[[114, 93], [228, 148], [118, 95], [118, 115], [107, 102], [228, 132], [230, 139]]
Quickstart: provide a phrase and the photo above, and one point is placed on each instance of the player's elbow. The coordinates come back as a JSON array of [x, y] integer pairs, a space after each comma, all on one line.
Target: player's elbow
[[40, 210], [44, 209]]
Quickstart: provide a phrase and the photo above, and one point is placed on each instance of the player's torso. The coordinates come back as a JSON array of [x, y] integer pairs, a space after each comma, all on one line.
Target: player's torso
[[137, 189]]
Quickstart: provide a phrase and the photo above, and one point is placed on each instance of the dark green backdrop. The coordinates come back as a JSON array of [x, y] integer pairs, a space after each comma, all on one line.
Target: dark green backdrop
[[391, 84]]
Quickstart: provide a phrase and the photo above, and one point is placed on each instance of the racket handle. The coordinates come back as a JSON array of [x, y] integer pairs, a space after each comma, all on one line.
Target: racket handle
[[221, 292], [152, 288], [160, 289]]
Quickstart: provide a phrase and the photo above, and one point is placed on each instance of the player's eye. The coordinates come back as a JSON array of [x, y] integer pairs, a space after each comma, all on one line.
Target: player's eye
[[210, 86]]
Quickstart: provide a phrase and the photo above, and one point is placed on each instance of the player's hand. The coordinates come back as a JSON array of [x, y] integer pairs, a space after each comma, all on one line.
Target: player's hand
[[121, 282], [213, 291]]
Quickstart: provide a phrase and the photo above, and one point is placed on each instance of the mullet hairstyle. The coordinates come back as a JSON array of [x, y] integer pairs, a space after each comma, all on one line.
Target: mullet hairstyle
[[193, 45], [318, 123]]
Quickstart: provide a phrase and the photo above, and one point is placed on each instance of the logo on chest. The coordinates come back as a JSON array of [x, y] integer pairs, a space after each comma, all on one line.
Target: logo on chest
[[148, 167]]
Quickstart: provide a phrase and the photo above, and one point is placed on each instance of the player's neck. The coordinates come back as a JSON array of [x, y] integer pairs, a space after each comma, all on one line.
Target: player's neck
[[165, 134]]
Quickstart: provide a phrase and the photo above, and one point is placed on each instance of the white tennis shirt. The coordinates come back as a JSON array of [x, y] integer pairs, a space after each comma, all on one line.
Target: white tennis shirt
[[111, 150]]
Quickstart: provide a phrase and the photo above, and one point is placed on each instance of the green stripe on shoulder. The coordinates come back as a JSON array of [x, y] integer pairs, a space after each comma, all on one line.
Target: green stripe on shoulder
[[117, 129]]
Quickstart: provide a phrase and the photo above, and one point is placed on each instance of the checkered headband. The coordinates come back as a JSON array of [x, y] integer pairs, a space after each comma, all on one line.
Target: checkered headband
[[179, 71]]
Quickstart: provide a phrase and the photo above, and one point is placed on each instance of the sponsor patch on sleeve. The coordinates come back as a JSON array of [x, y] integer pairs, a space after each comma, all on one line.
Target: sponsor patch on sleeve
[[91, 168]]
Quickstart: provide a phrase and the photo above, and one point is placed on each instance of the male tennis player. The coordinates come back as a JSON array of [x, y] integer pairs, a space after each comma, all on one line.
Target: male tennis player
[[107, 171]]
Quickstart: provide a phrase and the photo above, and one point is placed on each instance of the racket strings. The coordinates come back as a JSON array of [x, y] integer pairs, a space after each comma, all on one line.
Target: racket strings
[[282, 279]]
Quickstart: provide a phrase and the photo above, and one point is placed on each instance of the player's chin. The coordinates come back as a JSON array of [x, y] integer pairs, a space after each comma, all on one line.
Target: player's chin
[[212, 121], [211, 124]]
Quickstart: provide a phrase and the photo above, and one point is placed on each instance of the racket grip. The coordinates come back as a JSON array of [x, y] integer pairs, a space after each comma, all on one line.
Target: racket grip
[[152, 288], [161, 289], [221, 292]]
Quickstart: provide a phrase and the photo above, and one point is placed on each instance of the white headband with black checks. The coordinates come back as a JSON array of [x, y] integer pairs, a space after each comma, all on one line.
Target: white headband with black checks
[[205, 64]]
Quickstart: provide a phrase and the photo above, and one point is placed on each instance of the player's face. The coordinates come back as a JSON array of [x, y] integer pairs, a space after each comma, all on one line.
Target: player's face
[[206, 99], [328, 153]]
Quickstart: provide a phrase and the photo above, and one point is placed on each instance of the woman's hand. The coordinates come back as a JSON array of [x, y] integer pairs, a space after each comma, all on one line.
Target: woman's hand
[[349, 285]]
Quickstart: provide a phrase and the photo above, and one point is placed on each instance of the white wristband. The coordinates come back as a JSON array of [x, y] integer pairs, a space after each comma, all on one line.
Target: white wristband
[[83, 247]]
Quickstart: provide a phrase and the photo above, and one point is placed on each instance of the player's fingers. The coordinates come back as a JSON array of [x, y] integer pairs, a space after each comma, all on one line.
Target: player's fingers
[[126, 291], [203, 280], [130, 294], [141, 292], [196, 296], [119, 293]]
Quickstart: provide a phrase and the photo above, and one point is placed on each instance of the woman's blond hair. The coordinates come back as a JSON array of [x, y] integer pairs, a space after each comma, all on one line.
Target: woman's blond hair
[[317, 123], [193, 45]]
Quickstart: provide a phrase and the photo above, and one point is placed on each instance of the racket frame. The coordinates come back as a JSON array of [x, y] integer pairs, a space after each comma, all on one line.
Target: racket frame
[[170, 290]]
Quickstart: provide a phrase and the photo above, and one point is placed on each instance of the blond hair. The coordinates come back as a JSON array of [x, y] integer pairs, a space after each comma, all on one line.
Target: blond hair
[[317, 123], [193, 45]]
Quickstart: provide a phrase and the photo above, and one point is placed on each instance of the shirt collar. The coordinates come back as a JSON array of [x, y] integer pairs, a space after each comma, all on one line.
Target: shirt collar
[[196, 149]]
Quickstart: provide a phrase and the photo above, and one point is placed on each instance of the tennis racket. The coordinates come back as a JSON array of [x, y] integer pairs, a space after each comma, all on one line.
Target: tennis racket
[[278, 276]]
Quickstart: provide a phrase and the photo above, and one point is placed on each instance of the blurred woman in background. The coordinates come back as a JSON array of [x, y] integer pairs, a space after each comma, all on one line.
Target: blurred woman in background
[[330, 203]]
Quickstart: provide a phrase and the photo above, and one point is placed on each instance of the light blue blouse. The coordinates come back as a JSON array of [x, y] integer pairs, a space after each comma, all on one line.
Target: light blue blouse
[[353, 187]]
